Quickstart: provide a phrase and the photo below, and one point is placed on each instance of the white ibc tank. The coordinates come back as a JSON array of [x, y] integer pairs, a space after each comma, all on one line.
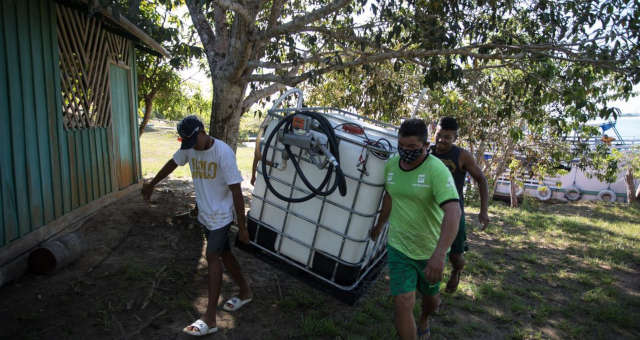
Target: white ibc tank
[[335, 226]]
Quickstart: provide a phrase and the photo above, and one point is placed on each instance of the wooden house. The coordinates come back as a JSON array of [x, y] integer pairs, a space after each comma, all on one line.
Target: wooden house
[[68, 103]]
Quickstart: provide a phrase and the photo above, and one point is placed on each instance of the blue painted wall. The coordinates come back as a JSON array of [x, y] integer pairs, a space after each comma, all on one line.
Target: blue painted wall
[[47, 171]]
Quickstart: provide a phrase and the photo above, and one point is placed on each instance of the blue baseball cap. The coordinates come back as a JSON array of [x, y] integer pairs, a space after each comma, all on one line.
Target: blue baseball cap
[[188, 129]]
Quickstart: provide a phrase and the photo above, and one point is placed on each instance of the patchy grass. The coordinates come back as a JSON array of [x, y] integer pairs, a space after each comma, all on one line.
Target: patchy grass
[[545, 267], [158, 146], [545, 271]]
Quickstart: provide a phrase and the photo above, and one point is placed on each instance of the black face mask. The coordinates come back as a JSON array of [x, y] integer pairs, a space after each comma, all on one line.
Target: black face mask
[[409, 156]]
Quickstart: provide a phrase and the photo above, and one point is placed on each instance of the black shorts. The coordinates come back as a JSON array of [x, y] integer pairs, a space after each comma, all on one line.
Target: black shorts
[[217, 240]]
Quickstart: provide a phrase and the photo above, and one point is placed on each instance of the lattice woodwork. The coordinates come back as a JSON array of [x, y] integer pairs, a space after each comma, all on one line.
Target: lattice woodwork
[[85, 51]]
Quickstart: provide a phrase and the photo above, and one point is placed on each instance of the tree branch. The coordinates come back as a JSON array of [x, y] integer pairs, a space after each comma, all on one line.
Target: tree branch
[[340, 35], [280, 66], [241, 45], [222, 30], [361, 60], [475, 68], [207, 37], [256, 95], [276, 12], [515, 52], [236, 7], [277, 7], [300, 21]]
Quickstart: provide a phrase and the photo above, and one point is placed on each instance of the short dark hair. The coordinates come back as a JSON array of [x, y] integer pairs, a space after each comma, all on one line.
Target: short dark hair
[[448, 123], [413, 127]]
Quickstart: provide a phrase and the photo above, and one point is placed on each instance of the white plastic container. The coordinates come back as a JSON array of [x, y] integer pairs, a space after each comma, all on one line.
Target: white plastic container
[[337, 227]]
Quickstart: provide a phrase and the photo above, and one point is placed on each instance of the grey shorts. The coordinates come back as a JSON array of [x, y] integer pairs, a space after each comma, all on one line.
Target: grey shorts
[[217, 240]]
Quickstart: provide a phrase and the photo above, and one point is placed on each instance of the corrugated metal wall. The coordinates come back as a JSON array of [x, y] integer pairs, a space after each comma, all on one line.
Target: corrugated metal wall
[[46, 171]]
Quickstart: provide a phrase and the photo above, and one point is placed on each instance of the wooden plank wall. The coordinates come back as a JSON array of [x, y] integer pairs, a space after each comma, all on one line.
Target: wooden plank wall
[[136, 123], [46, 171]]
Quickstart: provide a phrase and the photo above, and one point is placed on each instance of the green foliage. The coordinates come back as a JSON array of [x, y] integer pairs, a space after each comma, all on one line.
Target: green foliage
[[157, 76], [249, 125], [557, 64], [630, 158], [515, 168], [532, 106], [185, 100], [380, 91], [607, 162], [603, 163]]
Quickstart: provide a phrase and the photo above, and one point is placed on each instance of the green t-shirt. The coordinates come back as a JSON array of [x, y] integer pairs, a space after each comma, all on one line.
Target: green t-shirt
[[416, 196]]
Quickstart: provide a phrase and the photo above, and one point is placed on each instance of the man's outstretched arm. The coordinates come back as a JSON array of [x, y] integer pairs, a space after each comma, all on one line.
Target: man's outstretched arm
[[167, 169]]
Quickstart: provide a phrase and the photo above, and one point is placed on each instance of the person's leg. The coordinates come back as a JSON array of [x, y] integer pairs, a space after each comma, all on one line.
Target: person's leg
[[430, 304], [233, 267], [404, 321], [456, 256], [215, 284], [403, 279], [457, 264], [215, 246]]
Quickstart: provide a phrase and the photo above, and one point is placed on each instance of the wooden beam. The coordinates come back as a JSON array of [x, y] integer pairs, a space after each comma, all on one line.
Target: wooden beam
[[13, 270], [120, 21], [134, 30], [133, 122], [69, 222]]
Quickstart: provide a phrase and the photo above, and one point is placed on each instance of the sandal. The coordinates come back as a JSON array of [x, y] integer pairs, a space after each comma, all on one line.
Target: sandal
[[425, 334], [201, 328], [235, 303]]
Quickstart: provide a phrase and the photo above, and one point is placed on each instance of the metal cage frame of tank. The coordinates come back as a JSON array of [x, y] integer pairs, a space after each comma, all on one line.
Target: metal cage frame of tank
[[380, 249]]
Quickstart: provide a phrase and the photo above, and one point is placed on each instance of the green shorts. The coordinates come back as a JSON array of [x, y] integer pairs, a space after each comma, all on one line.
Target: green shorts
[[459, 244], [407, 275]]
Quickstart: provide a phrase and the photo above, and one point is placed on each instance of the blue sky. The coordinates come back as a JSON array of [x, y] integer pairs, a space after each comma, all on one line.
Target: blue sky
[[630, 106]]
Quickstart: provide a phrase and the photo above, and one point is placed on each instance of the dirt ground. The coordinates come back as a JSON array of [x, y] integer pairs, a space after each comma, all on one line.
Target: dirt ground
[[144, 277], [535, 275]]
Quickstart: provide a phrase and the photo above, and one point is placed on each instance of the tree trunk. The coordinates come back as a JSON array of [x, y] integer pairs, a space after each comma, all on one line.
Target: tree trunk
[[502, 166], [633, 196], [148, 108], [479, 154], [514, 188], [134, 10], [226, 111]]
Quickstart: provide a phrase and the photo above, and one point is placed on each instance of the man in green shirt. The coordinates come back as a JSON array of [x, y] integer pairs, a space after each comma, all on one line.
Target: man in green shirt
[[421, 205]]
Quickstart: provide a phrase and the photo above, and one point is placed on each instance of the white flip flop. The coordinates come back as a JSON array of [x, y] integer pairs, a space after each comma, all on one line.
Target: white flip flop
[[201, 328], [235, 303]]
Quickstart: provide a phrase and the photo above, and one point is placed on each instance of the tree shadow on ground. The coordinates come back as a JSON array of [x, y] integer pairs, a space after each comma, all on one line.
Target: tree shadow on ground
[[551, 274]]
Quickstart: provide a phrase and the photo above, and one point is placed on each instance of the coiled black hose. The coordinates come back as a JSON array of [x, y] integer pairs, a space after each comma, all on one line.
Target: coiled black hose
[[327, 129]]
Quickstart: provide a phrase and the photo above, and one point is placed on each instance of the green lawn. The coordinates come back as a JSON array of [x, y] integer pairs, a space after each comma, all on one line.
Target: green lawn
[[540, 272], [157, 147], [560, 271]]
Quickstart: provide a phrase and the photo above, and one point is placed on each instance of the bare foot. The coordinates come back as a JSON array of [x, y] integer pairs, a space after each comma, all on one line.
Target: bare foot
[[454, 280]]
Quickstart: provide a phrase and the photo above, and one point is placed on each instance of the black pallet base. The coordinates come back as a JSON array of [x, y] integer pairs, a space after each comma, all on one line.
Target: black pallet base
[[345, 275]]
